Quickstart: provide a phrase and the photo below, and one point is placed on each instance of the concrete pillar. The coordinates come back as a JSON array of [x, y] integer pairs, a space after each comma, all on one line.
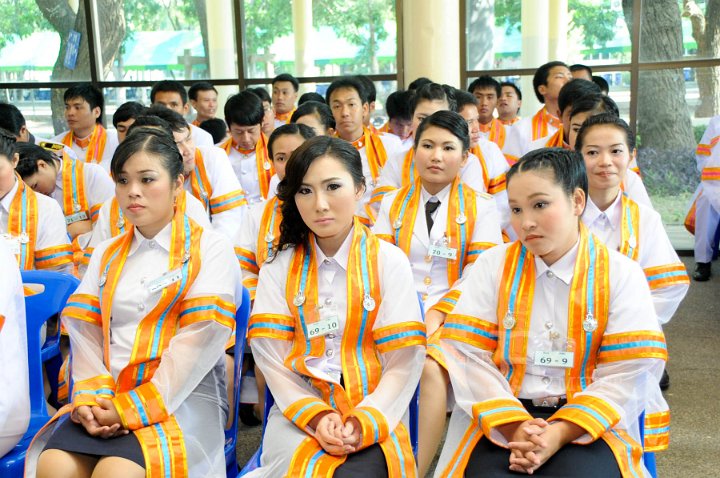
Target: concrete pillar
[[535, 20], [431, 36], [303, 29], [558, 47], [221, 45]]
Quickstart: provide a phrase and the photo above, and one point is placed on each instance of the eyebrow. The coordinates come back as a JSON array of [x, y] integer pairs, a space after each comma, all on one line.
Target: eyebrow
[[324, 181], [537, 194]]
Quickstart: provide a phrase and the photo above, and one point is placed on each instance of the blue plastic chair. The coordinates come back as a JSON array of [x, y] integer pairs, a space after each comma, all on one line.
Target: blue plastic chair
[[241, 322], [39, 308], [414, 412]]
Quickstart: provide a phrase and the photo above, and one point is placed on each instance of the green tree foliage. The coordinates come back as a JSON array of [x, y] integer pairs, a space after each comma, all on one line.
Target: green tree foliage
[[595, 20], [360, 22], [265, 20], [20, 18]]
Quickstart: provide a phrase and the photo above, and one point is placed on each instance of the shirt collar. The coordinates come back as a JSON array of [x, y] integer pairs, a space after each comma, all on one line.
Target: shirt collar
[[341, 256], [162, 239], [563, 268], [7, 200], [613, 212], [441, 196], [59, 177]]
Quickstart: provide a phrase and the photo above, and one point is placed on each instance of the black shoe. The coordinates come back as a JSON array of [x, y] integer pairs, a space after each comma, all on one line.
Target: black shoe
[[664, 381], [702, 271], [247, 415]]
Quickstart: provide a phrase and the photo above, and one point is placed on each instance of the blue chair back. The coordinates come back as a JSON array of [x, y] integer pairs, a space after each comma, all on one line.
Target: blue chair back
[[648, 457], [241, 323], [39, 308]]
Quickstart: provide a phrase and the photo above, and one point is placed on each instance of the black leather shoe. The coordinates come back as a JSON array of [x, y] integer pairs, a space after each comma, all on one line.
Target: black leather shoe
[[664, 381], [702, 271]]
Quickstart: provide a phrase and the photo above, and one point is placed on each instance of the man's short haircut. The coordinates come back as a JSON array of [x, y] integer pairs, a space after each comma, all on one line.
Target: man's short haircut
[[198, 87], [11, 118], [434, 92], [580, 67], [349, 82], [310, 96], [126, 111], [463, 99], [146, 122], [485, 82], [169, 86], [369, 86], [397, 105], [287, 77], [541, 77], [602, 84], [317, 108], [573, 90], [88, 92], [174, 119], [261, 93], [513, 86], [244, 109], [216, 127], [418, 83]]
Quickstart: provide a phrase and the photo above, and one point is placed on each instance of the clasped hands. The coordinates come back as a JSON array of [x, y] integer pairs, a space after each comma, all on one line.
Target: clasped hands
[[338, 438], [534, 441], [101, 420]]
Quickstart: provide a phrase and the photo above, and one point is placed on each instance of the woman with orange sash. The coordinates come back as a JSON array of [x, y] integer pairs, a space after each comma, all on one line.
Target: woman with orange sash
[[443, 226], [31, 224], [147, 326], [553, 347], [79, 188], [341, 361]]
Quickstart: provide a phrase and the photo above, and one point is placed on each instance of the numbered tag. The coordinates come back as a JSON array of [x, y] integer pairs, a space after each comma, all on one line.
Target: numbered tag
[[77, 217], [444, 252], [554, 359], [13, 243], [328, 323], [164, 280]]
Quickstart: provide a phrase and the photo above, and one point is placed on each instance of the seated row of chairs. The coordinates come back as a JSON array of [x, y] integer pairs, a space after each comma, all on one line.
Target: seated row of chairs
[[49, 302]]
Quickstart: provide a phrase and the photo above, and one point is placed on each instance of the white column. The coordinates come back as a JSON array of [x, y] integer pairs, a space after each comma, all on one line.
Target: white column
[[431, 36], [221, 45], [535, 19], [558, 47]]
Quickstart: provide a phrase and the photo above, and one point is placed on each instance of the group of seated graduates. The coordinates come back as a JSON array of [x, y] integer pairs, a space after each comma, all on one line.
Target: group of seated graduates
[[513, 269]]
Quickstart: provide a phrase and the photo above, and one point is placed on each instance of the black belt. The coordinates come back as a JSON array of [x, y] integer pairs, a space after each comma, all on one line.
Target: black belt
[[549, 403]]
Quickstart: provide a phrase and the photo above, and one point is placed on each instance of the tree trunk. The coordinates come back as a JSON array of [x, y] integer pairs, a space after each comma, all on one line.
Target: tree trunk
[[201, 9], [663, 115], [64, 19], [708, 79]]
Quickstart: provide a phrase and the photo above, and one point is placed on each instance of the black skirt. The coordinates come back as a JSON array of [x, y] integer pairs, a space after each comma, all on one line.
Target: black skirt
[[73, 438]]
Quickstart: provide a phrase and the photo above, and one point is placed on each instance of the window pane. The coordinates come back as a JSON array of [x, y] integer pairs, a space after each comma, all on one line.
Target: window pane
[[30, 45], [674, 107], [592, 32], [171, 40], [670, 32], [319, 38]]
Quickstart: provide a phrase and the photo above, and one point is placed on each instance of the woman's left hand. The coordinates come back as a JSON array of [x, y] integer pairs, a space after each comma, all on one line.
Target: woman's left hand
[[351, 432], [528, 456]]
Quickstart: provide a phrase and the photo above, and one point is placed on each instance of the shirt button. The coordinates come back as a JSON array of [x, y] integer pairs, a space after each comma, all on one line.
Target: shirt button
[[151, 244], [141, 307], [424, 297], [550, 274], [331, 336], [329, 353], [428, 280], [546, 380], [327, 262], [428, 259]]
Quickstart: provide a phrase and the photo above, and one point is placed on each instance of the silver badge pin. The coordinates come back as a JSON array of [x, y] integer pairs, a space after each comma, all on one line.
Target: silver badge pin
[[632, 242], [461, 219], [186, 257], [269, 237], [299, 299], [509, 320], [103, 279], [24, 238], [368, 303], [266, 166], [397, 224], [76, 207], [589, 324]]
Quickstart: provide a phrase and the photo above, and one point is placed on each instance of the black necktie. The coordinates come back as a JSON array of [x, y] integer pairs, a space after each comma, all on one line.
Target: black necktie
[[430, 207]]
